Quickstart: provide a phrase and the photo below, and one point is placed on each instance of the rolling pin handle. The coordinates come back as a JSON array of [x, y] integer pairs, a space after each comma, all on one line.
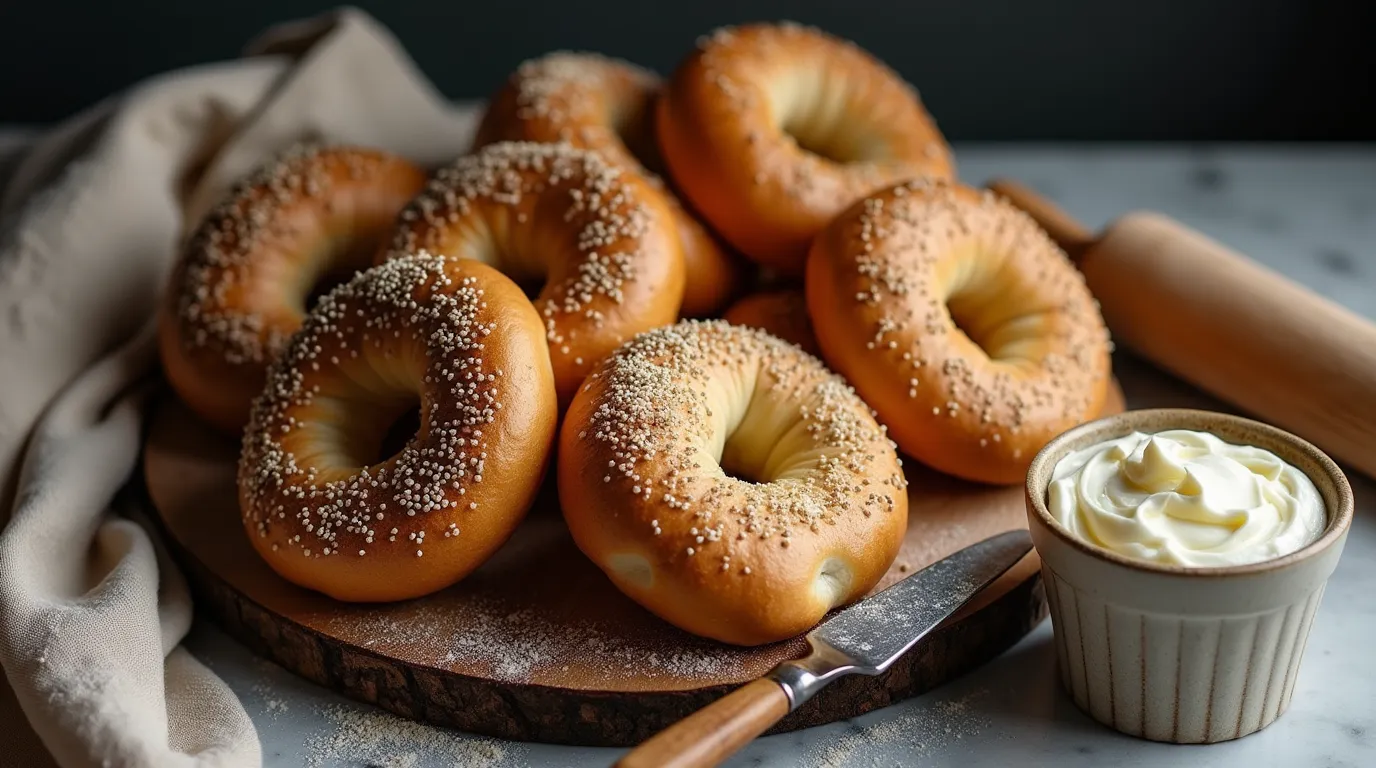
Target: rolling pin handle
[[1068, 233]]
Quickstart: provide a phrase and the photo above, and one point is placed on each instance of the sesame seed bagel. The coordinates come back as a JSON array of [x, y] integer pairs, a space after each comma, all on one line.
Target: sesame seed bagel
[[770, 130], [242, 285], [328, 503], [781, 313], [607, 105], [730, 483], [963, 325], [601, 239]]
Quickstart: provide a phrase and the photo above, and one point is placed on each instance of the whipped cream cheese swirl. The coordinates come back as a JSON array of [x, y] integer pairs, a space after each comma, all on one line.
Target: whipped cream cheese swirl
[[1187, 498]]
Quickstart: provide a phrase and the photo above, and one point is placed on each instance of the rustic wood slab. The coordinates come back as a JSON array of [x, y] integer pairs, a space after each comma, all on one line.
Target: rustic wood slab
[[537, 645]]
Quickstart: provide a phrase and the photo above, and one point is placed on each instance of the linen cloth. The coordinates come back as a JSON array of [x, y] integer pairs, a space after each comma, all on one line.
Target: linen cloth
[[91, 215]]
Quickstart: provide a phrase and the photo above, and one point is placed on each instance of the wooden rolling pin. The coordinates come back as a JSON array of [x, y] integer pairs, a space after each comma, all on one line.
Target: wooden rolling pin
[[1227, 325]]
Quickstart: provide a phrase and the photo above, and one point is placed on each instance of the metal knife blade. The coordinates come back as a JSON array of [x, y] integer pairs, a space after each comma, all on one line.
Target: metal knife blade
[[867, 637]]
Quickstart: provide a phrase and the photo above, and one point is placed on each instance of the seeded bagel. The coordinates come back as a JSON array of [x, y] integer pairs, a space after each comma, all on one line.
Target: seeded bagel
[[769, 130], [730, 483], [335, 497], [312, 216], [960, 321], [606, 105]]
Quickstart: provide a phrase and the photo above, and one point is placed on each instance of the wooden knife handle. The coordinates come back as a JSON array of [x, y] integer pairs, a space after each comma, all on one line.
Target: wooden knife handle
[[1230, 326], [715, 732]]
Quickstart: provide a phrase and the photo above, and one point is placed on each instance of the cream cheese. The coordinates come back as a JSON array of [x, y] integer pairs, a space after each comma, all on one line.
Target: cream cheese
[[1187, 498]]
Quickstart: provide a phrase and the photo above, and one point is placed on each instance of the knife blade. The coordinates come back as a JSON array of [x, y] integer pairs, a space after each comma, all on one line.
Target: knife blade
[[869, 636], [865, 638]]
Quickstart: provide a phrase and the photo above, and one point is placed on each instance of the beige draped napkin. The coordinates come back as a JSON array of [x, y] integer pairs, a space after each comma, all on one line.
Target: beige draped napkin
[[91, 611]]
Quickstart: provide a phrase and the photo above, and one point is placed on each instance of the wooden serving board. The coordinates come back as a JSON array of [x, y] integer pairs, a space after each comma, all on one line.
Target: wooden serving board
[[537, 645]]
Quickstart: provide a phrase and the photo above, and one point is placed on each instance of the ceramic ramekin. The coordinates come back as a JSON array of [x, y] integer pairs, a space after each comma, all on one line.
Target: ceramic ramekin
[[1177, 654]]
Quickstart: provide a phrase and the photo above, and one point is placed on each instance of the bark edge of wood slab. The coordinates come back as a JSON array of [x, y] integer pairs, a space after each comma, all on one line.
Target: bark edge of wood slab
[[189, 479], [710, 735]]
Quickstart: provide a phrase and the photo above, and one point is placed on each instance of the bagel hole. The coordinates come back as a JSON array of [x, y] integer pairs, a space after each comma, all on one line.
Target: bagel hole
[[377, 430], [964, 319], [517, 243], [735, 465], [530, 286], [760, 440], [824, 145], [336, 261], [324, 284], [403, 428], [816, 112], [735, 473], [996, 314]]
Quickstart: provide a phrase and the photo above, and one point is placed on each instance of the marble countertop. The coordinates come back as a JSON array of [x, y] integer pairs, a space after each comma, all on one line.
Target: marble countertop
[[1309, 212]]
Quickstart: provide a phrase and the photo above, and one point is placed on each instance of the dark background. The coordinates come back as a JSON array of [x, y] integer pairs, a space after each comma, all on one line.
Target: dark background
[[988, 69]]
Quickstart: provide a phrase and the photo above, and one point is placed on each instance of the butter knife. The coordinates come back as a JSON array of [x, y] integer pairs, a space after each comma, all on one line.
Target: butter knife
[[863, 639]]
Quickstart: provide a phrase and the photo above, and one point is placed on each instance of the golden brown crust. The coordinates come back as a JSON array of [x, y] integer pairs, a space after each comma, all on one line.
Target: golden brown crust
[[593, 102], [743, 561], [323, 505], [782, 313], [241, 286], [585, 100], [728, 121], [884, 282], [601, 239]]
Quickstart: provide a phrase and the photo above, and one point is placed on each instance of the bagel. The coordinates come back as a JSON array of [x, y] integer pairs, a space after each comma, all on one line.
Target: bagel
[[607, 105], [328, 503], [781, 313], [961, 323], [601, 240], [243, 284], [728, 482], [771, 130]]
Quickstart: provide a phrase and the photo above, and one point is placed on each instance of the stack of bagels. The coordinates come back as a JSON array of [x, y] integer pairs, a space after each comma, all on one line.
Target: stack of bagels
[[406, 353]]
